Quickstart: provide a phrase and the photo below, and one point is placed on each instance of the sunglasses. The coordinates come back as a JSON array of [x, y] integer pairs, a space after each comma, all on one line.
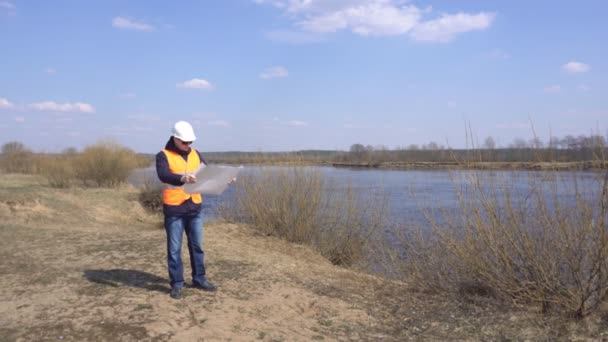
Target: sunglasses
[[186, 142]]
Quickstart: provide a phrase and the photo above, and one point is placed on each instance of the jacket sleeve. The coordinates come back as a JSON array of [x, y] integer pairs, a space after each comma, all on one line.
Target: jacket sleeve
[[164, 174]]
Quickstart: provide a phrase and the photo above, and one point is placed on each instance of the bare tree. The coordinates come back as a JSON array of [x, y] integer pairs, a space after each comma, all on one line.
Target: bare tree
[[569, 142], [358, 151], [489, 143], [432, 146], [536, 143], [554, 142], [519, 143]]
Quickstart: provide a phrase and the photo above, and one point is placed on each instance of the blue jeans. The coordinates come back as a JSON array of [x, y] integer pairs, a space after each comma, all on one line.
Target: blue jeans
[[174, 226]]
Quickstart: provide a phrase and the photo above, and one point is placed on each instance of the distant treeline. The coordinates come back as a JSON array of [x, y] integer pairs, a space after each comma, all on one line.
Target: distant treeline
[[574, 152], [558, 150]]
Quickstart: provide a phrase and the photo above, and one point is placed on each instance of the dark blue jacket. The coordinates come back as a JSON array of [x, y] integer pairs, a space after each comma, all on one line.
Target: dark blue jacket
[[166, 176]]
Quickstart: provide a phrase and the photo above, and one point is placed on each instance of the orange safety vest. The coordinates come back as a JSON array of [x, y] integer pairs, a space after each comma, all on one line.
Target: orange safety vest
[[175, 195]]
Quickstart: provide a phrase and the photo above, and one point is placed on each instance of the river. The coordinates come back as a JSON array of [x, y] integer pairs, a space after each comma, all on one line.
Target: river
[[410, 193]]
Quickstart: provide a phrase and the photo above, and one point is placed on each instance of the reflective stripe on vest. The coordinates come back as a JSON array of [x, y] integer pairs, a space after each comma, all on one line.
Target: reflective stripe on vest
[[175, 195]]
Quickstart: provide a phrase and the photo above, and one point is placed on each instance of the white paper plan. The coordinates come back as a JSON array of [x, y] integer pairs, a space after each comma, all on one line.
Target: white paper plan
[[212, 179]]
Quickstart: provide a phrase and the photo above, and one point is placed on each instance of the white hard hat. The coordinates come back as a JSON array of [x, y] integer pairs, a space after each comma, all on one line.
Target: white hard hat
[[183, 131]]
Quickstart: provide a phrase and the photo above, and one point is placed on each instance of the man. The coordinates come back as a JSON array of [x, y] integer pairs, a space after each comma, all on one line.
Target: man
[[175, 166]]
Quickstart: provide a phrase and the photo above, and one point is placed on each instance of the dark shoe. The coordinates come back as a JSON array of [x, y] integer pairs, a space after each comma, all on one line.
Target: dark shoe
[[206, 286], [176, 292]]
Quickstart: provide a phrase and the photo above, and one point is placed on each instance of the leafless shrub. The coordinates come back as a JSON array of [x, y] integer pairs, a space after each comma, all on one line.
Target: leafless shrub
[[151, 196], [549, 249], [296, 204], [105, 164], [16, 158], [58, 170]]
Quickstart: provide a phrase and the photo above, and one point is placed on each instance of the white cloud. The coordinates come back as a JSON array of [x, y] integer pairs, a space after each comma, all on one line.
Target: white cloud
[[445, 28], [274, 72], [220, 123], [195, 83], [124, 23], [296, 123], [554, 88], [576, 67], [5, 104], [50, 71], [276, 3], [7, 5], [20, 119], [366, 20], [378, 18], [49, 106]]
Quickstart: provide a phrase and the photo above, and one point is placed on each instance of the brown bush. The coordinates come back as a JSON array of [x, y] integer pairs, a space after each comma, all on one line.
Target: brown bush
[[105, 164], [295, 203], [16, 158], [548, 249], [151, 196], [58, 170]]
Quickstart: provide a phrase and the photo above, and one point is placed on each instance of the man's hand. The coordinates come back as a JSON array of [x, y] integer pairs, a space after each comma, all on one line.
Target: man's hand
[[232, 181], [188, 179]]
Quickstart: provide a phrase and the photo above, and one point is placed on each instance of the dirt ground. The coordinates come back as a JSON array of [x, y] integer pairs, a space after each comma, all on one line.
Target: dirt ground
[[90, 265]]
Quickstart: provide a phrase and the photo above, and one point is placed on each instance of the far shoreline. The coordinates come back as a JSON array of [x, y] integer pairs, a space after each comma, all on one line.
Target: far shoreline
[[590, 165], [515, 166]]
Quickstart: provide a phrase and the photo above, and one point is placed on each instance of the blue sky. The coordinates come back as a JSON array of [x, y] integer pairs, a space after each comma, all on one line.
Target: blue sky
[[281, 75]]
